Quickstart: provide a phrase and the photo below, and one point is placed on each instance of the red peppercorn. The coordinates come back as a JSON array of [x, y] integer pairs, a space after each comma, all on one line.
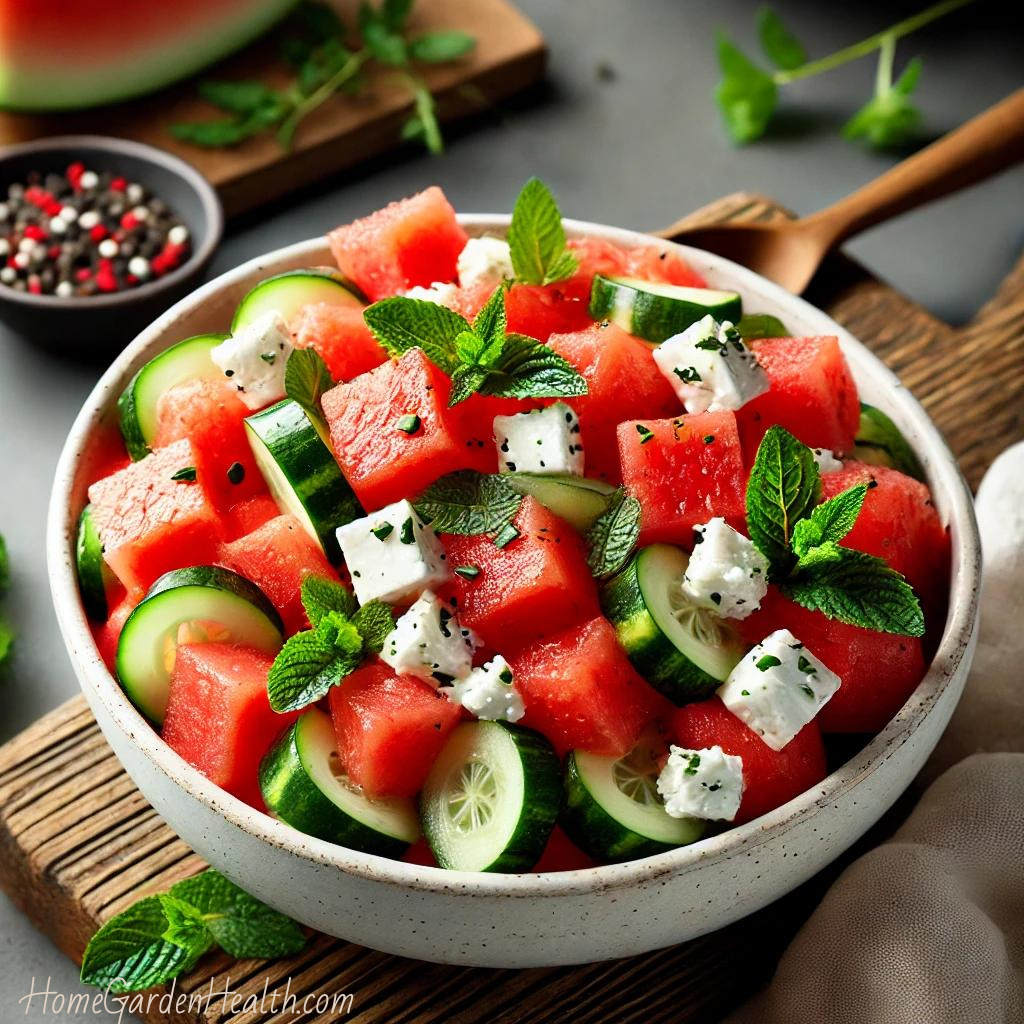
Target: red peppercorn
[[83, 274], [118, 184], [35, 232], [106, 281], [53, 252], [129, 221], [74, 173], [35, 286], [98, 232]]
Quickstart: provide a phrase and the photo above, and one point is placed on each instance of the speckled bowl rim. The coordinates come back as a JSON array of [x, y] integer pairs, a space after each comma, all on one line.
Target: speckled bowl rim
[[953, 649]]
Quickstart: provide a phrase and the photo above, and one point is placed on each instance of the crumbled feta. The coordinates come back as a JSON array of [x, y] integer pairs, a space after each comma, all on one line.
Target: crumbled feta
[[392, 555], [488, 693], [705, 783], [726, 573], [254, 359], [428, 642], [540, 441], [484, 260], [441, 293], [826, 461], [710, 367], [778, 688]]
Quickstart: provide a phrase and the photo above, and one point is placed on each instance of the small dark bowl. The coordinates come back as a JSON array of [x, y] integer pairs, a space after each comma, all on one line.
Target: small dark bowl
[[95, 327]]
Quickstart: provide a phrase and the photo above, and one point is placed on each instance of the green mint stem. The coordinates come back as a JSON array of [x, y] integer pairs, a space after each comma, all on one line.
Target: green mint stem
[[886, 58], [348, 70], [869, 45]]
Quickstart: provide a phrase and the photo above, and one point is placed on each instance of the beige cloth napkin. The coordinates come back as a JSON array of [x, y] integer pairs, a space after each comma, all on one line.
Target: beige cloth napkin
[[928, 927]]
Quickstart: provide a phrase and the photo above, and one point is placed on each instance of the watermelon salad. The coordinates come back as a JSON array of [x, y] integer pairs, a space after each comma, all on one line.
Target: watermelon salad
[[508, 554]]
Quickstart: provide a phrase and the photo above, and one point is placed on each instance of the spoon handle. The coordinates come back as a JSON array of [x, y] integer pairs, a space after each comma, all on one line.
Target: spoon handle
[[985, 145]]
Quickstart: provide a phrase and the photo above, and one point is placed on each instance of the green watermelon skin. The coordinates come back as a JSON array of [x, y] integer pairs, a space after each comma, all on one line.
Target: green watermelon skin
[[69, 54]]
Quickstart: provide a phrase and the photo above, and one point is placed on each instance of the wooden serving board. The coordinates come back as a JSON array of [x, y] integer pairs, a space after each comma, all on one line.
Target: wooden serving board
[[509, 56], [78, 843]]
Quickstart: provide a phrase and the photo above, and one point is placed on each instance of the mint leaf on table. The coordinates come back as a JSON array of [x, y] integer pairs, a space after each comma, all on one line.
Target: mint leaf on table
[[761, 325], [536, 237], [5, 566], [306, 378], [321, 595], [528, 368], [746, 94], [240, 97], [401, 324], [440, 47], [185, 926], [779, 44], [889, 118], [469, 503], [613, 536], [829, 522], [784, 487]]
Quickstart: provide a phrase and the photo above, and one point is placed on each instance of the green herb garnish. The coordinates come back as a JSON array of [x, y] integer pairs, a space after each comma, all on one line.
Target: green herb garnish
[[536, 237], [469, 503], [382, 531], [408, 424], [188, 473], [467, 572], [306, 378], [766, 662], [611, 539], [646, 434]]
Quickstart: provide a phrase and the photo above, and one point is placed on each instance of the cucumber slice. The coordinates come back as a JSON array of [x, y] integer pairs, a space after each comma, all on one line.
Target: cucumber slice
[[682, 650], [613, 810], [93, 573], [761, 325], [287, 293], [303, 784], [137, 407], [655, 311], [491, 799], [880, 443], [201, 603], [301, 473], [578, 500]]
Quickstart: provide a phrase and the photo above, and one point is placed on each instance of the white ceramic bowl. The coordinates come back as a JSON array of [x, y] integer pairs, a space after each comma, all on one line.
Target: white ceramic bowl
[[530, 919]]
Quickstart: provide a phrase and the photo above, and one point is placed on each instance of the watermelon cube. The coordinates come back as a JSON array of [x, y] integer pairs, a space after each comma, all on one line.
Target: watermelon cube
[[390, 729], [106, 634], [654, 263], [219, 717], [582, 693], [341, 338], [536, 585], [415, 241], [249, 515], [150, 523], [684, 472]]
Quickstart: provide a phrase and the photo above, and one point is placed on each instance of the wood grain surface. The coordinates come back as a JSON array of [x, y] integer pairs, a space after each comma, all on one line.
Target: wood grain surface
[[345, 131], [78, 843]]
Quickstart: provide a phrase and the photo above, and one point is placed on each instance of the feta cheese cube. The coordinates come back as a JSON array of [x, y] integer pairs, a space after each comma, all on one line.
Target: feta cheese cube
[[484, 261], [826, 461], [726, 574], [710, 367], [428, 642], [706, 783], [488, 693], [540, 441], [778, 688], [392, 555], [441, 293], [254, 359]]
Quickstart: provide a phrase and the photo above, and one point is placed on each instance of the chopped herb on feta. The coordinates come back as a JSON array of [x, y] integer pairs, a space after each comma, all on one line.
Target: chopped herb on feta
[[726, 573], [705, 783], [254, 360], [484, 261], [428, 642], [488, 693], [540, 441]]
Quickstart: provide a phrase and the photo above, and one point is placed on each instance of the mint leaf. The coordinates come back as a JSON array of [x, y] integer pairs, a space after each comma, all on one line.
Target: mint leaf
[[5, 566], [401, 324], [243, 97], [321, 595], [466, 382], [491, 322], [215, 134], [374, 622], [313, 661], [761, 325], [469, 503], [614, 535], [130, 952], [185, 925], [306, 378], [889, 119], [439, 47], [527, 368], [386, 46], [395, 13], [784, 487], [830, 521], [536, 237], [746, 94], [860, 590], [780, 46], [243, 926]]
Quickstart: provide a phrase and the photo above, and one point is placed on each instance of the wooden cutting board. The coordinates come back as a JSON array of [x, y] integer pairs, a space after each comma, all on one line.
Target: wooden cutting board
[[78, 842], [509, 56]]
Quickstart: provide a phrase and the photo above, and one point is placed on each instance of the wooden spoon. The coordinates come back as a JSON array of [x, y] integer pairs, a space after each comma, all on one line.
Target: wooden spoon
[[790, 251]]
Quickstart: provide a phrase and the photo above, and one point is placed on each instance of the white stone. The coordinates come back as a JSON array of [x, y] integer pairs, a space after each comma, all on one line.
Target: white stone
[[540, 441], [428, 642], [726, 572], [254, 359], [488, 692], [484, 260], [705, 783]]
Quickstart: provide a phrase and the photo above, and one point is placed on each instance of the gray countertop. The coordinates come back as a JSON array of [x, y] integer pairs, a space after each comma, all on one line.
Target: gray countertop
[[637, 150]]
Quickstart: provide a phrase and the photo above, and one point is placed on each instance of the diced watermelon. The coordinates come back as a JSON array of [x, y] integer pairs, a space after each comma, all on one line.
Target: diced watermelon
[[562, 854], [770, 777], [381, 462], [414, 241], [654, 263], [250, 515], [105, 452], [581, 691], [219, 717], [277, 557], [210, 414], [534, 310], [149, 523], [879, 671], [420, 853], [623, 382], [340, 336], [812, 395], [390, 729], [534, 586], [683, 472], [106, 634]]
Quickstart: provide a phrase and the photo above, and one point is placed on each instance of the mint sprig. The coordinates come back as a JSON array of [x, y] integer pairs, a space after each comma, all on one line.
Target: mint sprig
[[469, 503], [306, 378], [162, 937], [614, 534], [314, 660], [536, 237]]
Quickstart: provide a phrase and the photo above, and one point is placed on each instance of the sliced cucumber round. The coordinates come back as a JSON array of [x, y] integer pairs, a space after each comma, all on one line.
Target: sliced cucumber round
[[93, 572], [301, 472], [576, 499], [205, 602], [880, 443], [303, 783], [287, 293], [613, 810], [491, 798], [761, 325], [139, 402], [653, 311], [681, 649]]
